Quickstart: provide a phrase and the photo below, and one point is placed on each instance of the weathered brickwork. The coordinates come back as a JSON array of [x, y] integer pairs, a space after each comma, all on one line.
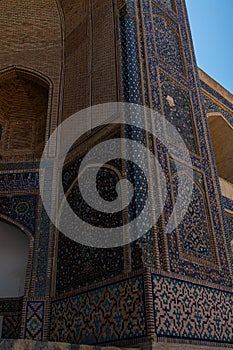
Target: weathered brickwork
[[90, 55]]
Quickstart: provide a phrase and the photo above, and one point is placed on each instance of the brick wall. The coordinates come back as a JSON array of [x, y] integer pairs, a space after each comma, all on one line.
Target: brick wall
[[90, 62], [31, 40]]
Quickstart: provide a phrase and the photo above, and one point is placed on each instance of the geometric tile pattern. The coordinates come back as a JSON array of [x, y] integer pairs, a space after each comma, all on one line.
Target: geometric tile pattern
[[171, 55], [11, 310], [143, 252], [105, 314], [216, 103], [169, 3], [230, 225], [217, 97], [42, 259], [79, 265], [21, 208], [180, 104], [182, 310], [194, 230], [177, 110], [106, 181], [213, 106], [168, 39], [195, 238], [130, 66], [227, 203], [19, 181], [34, 322], [11, 327], [11, 306], [190, 311]]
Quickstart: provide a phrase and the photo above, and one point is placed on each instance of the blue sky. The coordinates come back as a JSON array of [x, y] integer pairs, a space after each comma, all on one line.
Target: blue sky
[[212, 30]]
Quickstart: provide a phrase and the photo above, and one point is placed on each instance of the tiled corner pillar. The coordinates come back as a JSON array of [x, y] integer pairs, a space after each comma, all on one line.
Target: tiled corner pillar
[[20, 205], [166, 79], [159, 69], [36, 306]]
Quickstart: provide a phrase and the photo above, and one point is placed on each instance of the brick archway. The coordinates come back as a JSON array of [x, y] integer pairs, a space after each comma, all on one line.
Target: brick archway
[[221, 134], [23, 115]]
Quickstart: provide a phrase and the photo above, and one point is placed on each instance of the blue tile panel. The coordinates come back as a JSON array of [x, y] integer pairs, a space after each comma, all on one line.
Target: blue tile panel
[[110, 313], [186, 310], [34, 323]]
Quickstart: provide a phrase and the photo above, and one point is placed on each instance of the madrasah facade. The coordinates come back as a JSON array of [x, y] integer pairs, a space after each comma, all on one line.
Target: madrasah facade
[[166, 290]]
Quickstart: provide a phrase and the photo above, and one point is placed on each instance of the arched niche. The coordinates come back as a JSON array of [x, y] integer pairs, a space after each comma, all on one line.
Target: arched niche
[[23, 115], [222, 135], [222, 140], [14, 253], [32, 39]]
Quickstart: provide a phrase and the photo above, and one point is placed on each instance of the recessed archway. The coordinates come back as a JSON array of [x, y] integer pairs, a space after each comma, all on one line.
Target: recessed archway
[[23, 115], [14, 253], [222, 135]]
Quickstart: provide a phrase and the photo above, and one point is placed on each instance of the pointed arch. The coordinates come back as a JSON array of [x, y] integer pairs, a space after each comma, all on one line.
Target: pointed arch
[[221, 132], [36, 38], [16, 255], [12, 70], [29, 234], [24, 113]]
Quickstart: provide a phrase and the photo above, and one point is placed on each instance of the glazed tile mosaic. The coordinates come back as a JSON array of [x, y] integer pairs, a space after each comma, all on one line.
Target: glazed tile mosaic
[[22, 209], [101, 315], [191, 311], [24, 181], [177, 109], [230, 225], [34, 320], [213, 106], [79, 266], [168, 41], [169, 3], [216, 97], [11, 310], [11, 326], [9, 306], [130, 60], [227, 203], [195, 229]]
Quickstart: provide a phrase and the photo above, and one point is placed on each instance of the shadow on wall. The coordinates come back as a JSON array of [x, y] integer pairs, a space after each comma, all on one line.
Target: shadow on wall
[[23, 117], [14, 250], [222, 134]]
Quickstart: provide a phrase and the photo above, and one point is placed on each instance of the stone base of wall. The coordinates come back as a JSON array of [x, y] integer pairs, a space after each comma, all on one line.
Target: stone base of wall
[[163, 346], [11, 344], [21, 344], [182, 346], [172, 346]]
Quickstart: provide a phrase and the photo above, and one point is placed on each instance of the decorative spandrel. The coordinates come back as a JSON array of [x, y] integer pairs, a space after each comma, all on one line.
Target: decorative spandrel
[[77, 264]]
